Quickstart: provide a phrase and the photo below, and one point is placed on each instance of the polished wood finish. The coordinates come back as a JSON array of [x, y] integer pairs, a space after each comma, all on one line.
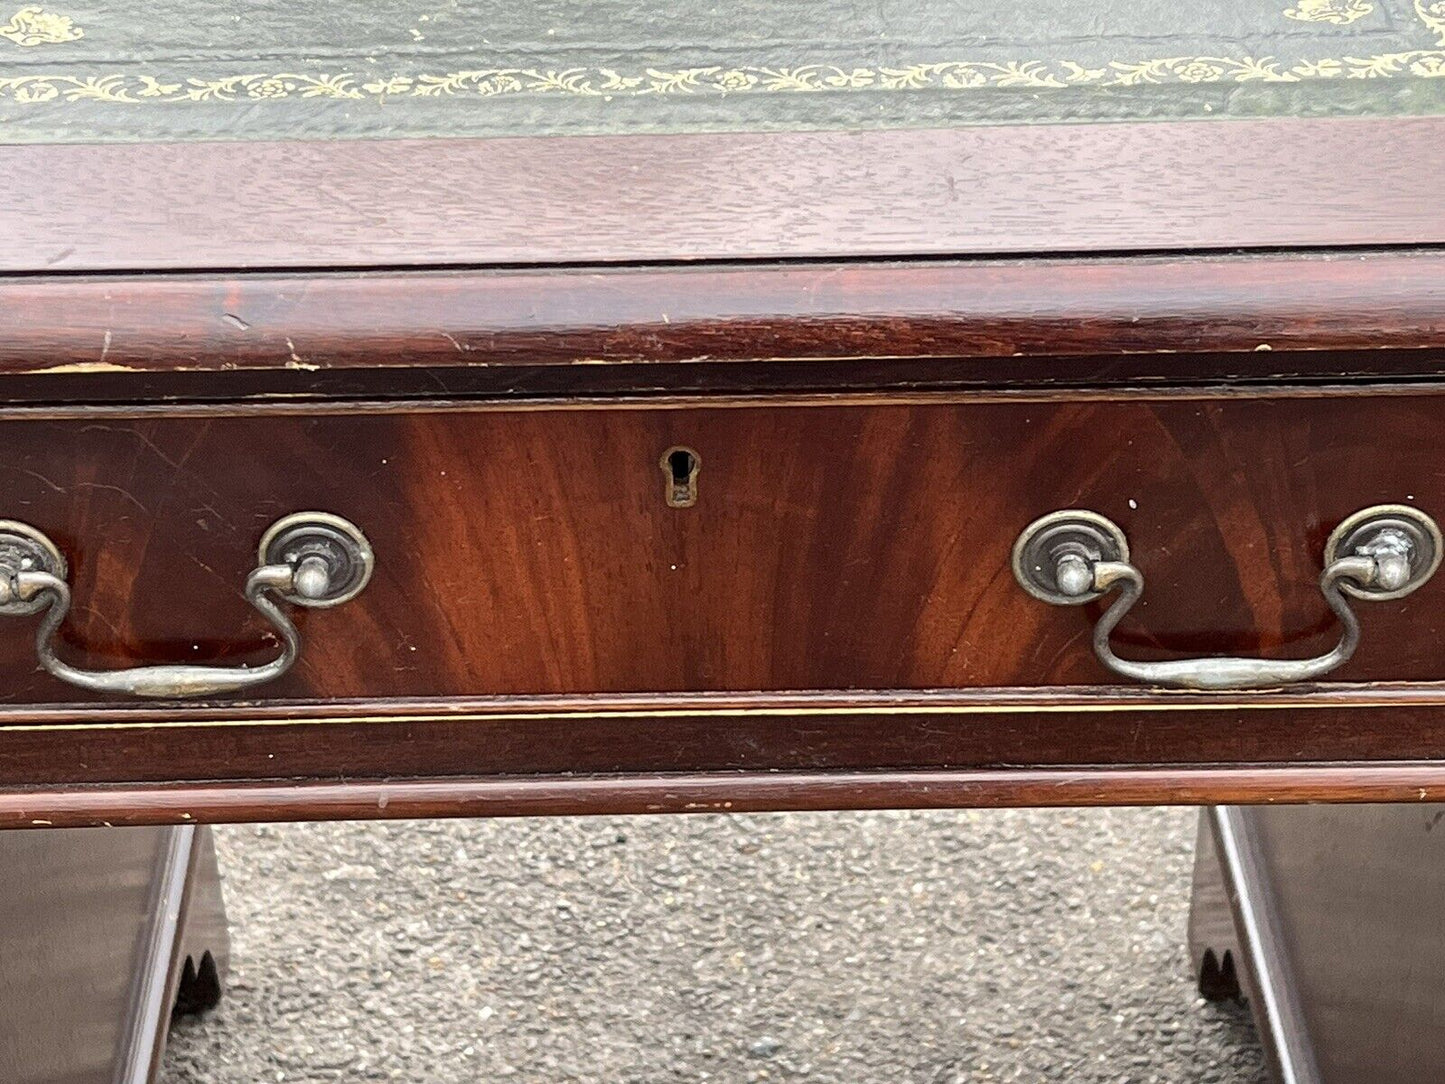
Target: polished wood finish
[[838, 600], [575, 795], [836, 543], [360, 741], [102, 934], [479, 350], [815, 195], [1390, 305]]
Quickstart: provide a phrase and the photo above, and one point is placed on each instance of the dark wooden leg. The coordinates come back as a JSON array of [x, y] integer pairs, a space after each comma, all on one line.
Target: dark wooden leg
[[1335, 933], [1213, 946], [1238, 938], [205, 936], [96, 926]]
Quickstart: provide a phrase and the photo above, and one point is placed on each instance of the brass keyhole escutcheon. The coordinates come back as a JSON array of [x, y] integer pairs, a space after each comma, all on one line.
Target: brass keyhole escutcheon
[[679, 467]]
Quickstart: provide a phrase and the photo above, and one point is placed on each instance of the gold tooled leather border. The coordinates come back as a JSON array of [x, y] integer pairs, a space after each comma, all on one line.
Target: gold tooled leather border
[[31, 26]]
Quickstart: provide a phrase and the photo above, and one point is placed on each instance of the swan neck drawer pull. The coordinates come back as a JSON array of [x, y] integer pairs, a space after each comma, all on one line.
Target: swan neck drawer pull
[[1075, 556], [306, 559]]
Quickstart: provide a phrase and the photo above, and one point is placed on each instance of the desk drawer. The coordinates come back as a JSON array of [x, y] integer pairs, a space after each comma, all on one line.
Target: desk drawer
[[819, 545]]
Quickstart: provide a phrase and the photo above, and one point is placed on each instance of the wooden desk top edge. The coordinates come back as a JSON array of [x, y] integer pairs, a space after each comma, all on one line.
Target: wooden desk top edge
[[114, 806], [1026, 189], [1259, 307]]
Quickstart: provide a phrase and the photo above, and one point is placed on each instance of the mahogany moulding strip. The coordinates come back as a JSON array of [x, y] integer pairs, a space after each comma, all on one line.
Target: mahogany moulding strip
[[885, 312], [717, 793], [1270, 183]]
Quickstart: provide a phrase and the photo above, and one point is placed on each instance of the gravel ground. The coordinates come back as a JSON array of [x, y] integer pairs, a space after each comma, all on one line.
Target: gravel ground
[[1014, 945]]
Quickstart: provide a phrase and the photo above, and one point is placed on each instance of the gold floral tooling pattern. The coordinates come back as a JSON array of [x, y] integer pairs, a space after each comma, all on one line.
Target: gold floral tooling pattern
[[1432, 13], [1339, 12], [34, 26], [31, 26]]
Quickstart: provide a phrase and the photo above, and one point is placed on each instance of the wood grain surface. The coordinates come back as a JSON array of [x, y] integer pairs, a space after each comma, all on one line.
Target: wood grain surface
[[799, 195], [1353, 313], [833, 623], [834, 544], [539, 609], [734, 792]]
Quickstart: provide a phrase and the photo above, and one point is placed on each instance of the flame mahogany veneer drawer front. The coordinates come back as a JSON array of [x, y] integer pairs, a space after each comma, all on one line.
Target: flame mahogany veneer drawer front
[[839, 544]]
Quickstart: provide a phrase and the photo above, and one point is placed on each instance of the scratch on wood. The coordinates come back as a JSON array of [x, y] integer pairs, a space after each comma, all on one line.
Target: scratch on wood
[[88, 366], [40, 478], [125, 493], [297, 361]]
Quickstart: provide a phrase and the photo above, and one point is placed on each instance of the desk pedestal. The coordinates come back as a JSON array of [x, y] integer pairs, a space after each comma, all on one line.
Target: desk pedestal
[[1329, 919], [103, 932]]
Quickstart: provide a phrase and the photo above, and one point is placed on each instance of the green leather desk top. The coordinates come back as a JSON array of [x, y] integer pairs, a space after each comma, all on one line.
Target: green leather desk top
[[86, 70]]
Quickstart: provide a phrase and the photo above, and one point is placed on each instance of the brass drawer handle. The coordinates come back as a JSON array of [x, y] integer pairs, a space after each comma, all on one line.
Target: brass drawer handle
[[1075, 556], [307, 559]]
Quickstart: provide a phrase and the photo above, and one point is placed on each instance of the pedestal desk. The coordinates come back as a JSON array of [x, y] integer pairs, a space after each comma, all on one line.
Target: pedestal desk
[[602, 409]]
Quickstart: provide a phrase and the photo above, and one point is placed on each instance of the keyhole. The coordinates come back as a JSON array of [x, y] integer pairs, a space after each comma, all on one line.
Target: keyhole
[[680, 465]]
